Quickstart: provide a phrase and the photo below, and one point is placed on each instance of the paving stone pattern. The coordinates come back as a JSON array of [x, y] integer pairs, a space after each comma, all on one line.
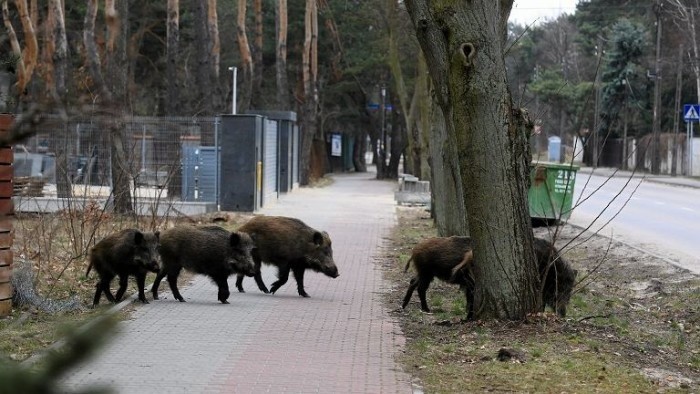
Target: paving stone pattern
[[341, 340]]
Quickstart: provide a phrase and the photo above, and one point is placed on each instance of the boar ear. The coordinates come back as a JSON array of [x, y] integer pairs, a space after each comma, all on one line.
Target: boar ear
[[235, 239], [138, 237], [157, 234], [318, 238]]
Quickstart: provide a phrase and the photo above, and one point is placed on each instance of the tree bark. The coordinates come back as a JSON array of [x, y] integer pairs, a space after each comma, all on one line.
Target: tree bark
[[256, 99], [423, 113], [309, 124], [281, 64], [203, 51], [358, 152], [246, 57], [60, 56], [172, 101], [116, 68], [57, 49], [464, 45], [213, 29], [446, 183], [29, 55]]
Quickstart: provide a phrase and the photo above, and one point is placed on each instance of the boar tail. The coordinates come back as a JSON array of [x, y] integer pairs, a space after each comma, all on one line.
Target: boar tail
[[408, 264]]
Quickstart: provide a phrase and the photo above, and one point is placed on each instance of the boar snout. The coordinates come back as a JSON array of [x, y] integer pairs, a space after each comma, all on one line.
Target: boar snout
[[331, 271]]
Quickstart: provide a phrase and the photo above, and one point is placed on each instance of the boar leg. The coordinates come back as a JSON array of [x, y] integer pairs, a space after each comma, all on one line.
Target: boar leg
[[172, 281], [98, 293], [224, 293], [258, 276], [469, 292], [239, 282], [283, 276], [141, 283], [412, 286], [299, 277], [103, 287], [156, 283], [123, 281], [423, 284]]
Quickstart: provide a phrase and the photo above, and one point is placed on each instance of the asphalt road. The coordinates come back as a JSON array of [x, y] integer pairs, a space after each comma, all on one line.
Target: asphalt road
[[663, 219]]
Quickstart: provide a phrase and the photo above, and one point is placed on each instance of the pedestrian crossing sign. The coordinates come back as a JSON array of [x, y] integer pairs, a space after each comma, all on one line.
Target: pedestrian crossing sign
[[691, 112]]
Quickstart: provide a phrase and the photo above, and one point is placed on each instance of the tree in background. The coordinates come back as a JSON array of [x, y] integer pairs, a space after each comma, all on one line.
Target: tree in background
[[281, 26], [248, 71], [620, 72]]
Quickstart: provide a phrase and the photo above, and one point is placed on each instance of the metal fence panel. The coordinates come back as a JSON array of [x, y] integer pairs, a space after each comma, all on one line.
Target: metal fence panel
[[270, 168]]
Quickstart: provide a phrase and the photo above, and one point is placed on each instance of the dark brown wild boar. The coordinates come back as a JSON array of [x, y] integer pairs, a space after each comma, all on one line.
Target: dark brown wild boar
[[208, 250], [128, 252], [289, 244], [436, 257]]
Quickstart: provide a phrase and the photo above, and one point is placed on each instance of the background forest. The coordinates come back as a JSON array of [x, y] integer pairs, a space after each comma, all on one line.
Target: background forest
[[590, 74]]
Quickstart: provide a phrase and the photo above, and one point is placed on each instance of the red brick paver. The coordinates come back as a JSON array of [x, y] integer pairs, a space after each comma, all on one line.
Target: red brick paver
[[341, 340]]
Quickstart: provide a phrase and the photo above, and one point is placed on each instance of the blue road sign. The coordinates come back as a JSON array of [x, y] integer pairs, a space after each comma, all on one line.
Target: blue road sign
[[691, 112]]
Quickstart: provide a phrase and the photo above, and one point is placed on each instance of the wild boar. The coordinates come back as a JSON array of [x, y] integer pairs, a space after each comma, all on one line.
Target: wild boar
[[128, 252], [436, 257], [208, 250], [288, 244]]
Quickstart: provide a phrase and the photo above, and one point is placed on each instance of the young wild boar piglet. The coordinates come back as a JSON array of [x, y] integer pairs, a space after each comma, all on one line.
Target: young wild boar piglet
[[128, 252], [288, 244], [436, 257]]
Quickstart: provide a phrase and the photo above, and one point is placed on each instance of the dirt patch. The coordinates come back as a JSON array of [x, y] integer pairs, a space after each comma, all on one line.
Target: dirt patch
[[633, 325]]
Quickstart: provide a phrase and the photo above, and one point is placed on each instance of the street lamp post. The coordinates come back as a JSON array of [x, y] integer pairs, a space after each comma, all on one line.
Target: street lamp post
[[233, 91]]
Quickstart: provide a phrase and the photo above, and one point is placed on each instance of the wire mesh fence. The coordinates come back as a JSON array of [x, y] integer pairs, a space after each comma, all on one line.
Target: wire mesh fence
[[164, 157]]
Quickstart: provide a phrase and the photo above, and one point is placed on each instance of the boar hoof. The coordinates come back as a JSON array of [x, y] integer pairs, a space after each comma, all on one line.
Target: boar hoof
[[224, 302], [304, 294]]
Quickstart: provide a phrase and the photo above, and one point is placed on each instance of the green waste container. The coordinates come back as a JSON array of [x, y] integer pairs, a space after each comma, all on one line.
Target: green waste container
[[551, 190]]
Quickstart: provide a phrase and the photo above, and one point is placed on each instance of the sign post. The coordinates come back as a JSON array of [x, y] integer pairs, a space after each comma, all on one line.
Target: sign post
[[691, 114]]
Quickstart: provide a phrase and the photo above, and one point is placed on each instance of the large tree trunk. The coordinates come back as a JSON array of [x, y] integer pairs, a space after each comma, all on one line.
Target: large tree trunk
[[256, 99], [309, 123], [398, 145], [116, 68], [281, 64], [246, 90], [394, 63], [203, 53], [358, 152], [213, 29], [173, 48], [59, 59], [172, 102], [60, 56], [464, 50], [423, 114], [215, 91], [29, 55]]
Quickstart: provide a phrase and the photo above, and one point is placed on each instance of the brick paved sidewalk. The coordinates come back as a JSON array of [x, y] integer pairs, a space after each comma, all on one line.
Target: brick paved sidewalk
[[341, 340]]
